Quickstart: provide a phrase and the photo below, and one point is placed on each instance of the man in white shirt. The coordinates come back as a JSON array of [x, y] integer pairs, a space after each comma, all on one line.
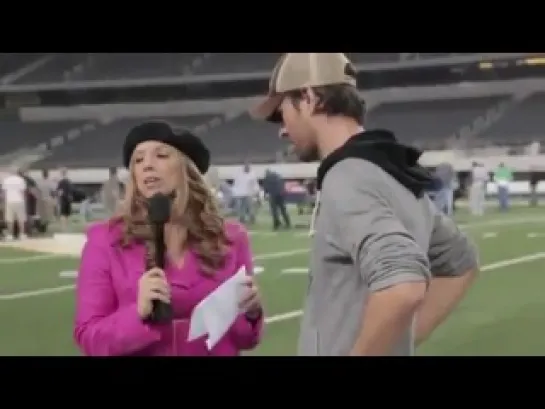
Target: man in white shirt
[[477, 189], [14, 188], [245, 186]]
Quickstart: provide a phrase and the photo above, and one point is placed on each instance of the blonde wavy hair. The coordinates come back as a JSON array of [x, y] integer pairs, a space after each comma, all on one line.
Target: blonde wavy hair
[[194, 208]]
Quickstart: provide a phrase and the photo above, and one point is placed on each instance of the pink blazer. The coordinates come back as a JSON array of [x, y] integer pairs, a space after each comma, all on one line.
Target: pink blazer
[[107, 321]]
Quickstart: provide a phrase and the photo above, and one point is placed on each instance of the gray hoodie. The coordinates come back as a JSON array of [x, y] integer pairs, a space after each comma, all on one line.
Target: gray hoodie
[[372, 231]]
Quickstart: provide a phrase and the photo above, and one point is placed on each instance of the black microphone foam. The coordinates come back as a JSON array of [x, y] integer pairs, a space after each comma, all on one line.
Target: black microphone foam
[[159, 208], [158, 215]]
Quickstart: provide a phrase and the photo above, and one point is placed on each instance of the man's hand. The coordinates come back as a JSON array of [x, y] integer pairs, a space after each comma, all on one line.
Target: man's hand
[[388, 314], [444, 294]]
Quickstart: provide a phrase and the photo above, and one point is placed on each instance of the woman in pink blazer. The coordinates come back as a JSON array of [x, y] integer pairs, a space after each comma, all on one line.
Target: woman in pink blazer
[[115, 293]]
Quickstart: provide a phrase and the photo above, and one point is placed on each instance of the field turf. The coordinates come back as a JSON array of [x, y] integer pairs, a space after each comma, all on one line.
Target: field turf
[[504, 313]]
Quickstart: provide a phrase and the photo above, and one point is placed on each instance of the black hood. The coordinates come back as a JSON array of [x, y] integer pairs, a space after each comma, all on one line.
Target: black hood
[[381, 148]]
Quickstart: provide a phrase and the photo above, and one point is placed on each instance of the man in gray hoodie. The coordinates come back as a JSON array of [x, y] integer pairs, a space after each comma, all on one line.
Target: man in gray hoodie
[[386, 267]]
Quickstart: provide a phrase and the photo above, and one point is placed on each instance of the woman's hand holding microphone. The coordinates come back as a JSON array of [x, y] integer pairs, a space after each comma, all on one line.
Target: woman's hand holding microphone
[[153, 285]]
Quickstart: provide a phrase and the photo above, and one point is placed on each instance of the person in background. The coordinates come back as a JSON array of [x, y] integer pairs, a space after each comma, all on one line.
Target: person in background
[[227, 195], [115, 293], [444, 198], [212, 178], [435, 186], [273, 185], [32, 200], [14, 187], [503, 176], [256, 195], [533, 181], [244, 187], [477, 189], [85, 210], [258, 198], [65, 197], [46, 205], [111, 193], [310, 186], [534, 148]]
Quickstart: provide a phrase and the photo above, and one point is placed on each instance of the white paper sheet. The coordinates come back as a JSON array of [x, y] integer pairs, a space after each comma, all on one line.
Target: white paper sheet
[[216, 313], [196, 325]]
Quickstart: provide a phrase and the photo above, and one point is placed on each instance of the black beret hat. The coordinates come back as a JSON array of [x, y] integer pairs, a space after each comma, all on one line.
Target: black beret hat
[[179, 138]]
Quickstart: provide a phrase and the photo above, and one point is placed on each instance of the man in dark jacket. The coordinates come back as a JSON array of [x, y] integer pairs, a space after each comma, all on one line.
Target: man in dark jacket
[[534, 180], [65, 194], [273, 185]]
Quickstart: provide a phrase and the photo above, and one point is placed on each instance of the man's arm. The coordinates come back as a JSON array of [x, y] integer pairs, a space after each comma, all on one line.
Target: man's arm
[[454, 265], [390, 261]]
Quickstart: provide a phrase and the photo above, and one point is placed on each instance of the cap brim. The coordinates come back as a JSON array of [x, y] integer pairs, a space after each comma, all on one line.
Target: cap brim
[[267, 110]]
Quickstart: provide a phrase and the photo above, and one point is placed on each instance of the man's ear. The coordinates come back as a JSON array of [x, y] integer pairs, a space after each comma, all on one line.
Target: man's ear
[[310, 99], [309, 96]]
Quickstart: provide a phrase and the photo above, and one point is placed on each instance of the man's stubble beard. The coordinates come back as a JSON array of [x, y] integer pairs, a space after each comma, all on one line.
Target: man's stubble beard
[[310, 155]]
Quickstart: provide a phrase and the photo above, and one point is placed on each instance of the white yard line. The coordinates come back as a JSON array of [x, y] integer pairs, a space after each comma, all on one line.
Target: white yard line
[[38, 257], [29, 258], [501, 222], [513, 261], [489, 267], [281, 254], [260, 233], [295, 270], [41, 291], [284, 317], [54, 290]]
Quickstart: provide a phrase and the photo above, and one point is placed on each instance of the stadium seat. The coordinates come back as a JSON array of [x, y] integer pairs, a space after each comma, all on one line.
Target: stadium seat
[[530, 112], [15, 135], [427, 122]]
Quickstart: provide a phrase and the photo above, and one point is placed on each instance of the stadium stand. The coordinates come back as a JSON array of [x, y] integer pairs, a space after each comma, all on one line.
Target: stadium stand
[[530, 113], [226, 63], [114, 66], [221, 63], [246, 138], [428, 123], [102, 66], [18, 135], [100, 147], [424, 123], [10, 62], [89, 67], [59, 68]]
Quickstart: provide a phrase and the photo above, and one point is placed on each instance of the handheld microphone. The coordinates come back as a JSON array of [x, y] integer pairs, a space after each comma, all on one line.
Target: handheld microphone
[[158, 215]]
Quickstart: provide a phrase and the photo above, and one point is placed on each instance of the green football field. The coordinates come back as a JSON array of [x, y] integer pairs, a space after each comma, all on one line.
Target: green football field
[[504, 313]]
